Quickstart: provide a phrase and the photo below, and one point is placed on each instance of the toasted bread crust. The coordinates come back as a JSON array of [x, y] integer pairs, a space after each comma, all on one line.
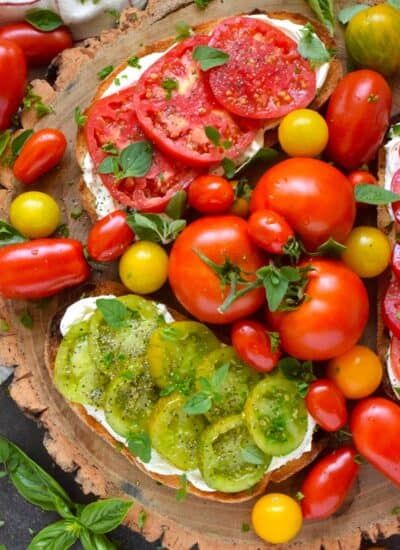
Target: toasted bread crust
[[51, 347], [334, 75]]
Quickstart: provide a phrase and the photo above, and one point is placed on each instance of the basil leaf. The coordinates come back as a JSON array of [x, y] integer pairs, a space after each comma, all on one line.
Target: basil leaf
[[369, 193], [205, 385], [349, 12], [229, 168], [266, 154], [109, 165], [177, 205], [253, 455], [183, 31], [136, 159], [213, 135], [19, 141], [209, 57], [158, 228], [9, 235], [104, 516], [200, 403], [104, 72], [34, 101], [80, 118], [134, 61], [115, 313], [218, 377], [140, 446], [91, 541], [4, 141], [60, 535], [182, 492], [311, 46], [323, 9], [294, 370], [43, 20]]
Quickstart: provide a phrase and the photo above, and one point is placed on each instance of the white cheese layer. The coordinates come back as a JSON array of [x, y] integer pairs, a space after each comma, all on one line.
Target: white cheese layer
[[105, 204], [392, 149], [82, 310]]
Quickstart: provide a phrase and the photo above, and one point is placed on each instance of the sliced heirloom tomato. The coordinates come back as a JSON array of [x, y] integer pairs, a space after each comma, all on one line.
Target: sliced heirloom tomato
[[176, 119], [112, 125], [391, 307], [265, 76]]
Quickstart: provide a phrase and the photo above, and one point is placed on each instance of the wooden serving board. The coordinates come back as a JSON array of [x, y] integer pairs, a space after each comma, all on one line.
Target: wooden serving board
[[99, 468]]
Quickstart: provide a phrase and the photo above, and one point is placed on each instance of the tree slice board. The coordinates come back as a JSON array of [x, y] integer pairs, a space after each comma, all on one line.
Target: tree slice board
[[99, 468]]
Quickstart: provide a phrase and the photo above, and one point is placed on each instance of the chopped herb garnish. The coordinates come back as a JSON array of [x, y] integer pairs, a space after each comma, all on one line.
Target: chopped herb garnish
[[34, 101], [134, 61], [169, 84], [202, 4], [80, 118], [183, 31], [245, 527], [105, 72], [142, 516], [26, 320]]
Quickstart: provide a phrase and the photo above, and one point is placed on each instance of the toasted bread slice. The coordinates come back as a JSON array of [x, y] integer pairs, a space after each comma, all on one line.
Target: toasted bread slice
[[334, 75], [51, 346]]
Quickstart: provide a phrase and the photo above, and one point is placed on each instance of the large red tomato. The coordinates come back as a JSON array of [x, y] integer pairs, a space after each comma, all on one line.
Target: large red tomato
[[12, 80], [358, 117], [331, 320], [314, 197], [224, 242]]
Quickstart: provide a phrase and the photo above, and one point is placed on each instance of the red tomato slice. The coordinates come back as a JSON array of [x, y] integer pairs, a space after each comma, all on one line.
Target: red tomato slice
[[395, 356], [176, 119], [391, 307], [396, 189], [112, 120], [265, 76]]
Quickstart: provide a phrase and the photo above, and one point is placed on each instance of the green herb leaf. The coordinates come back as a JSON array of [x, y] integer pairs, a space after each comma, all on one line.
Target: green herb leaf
[[182, 492], [3, 547], [294, 370], [394, 3], [91, 541], [349, 12], [62, 231], [284, 286], [177, 205], [76, 214], [323, 9], [202, 4], [140, 446], [311, 47], [393, 132], [110, 148], [245, 527], [134, 61], [199, 403], [80, 118], [142, 518], [26, 320], [4, 141], [43, 20], [19, 141], [112, 12], [229, 168], [133, 161], [34, 101], [61, 534], [9, 235], [183, 31], [218, 377], [158, 228], [104, 516], [253, 455], [209, 57], [274, 340], [299, 495], [105, 71], [115, 313], [369, 193], [213, 135], [169, 85], [330, 248]]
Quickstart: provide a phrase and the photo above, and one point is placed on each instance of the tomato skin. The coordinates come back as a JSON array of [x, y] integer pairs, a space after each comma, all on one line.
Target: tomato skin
[[270, 231], [327, 483], [331, 321], [211, 194], [110, 237], [276, 518], [143, 267], [41, 268], [390, 306], [396, 260], [252, 343], [360, 97], [303, 190], [327, 405], [303, 133], [361, 176], [367, 251], [39, 47], [12, 62], [40, 154], [375, 425], [194, 283], [35, 214]]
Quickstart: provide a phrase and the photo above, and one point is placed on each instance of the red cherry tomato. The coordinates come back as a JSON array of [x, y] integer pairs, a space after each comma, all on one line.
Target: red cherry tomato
[[390, 307], [41, 268], [358, 117], [39, 47], [375, 425], [327, 483], [211, 194], [361, 176], [303, 191], [252, 343], [331, 320], [110, 237], [12, 80], [327, 405], [270, 231], [40, 154]]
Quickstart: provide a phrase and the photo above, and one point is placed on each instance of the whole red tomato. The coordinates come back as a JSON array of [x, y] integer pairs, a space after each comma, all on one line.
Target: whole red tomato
[[327, 405], [314, 197], [206, 246], [12, 80], [39, 47], [358, 117], [255, 345], [270, 231], [327, 483], [40, 154], [41, 268], [375, 425], [331, 320], [110, 237], [211, 194], [361, 176]]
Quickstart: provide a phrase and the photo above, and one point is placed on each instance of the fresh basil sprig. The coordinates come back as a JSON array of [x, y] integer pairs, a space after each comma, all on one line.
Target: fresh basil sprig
[[158, 228], [349, 12], [323, 9], [43, 20], [369, 193], [133, 161], [115, 313], [210, 390], [9, 235], [312, 48], [209, 57]]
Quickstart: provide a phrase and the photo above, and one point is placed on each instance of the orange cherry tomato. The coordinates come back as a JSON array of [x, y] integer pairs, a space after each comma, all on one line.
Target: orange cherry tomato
[[327, 405], [110, 237], [211, 194], [12, 81], [255, 345]]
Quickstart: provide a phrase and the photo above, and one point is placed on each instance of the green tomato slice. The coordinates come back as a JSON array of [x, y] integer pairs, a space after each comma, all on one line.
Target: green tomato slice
[[276, 415], [232, 389], [175, 351], [174, 434], [229, 460], [75, 375], [129, 401], [117, 349]]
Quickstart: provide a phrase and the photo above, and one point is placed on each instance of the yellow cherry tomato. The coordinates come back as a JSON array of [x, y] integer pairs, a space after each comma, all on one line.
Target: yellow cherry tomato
[[358, 372], [367, 251], [303, 133], [240, 208], [35, 214], [144, 267], [276, 518]]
